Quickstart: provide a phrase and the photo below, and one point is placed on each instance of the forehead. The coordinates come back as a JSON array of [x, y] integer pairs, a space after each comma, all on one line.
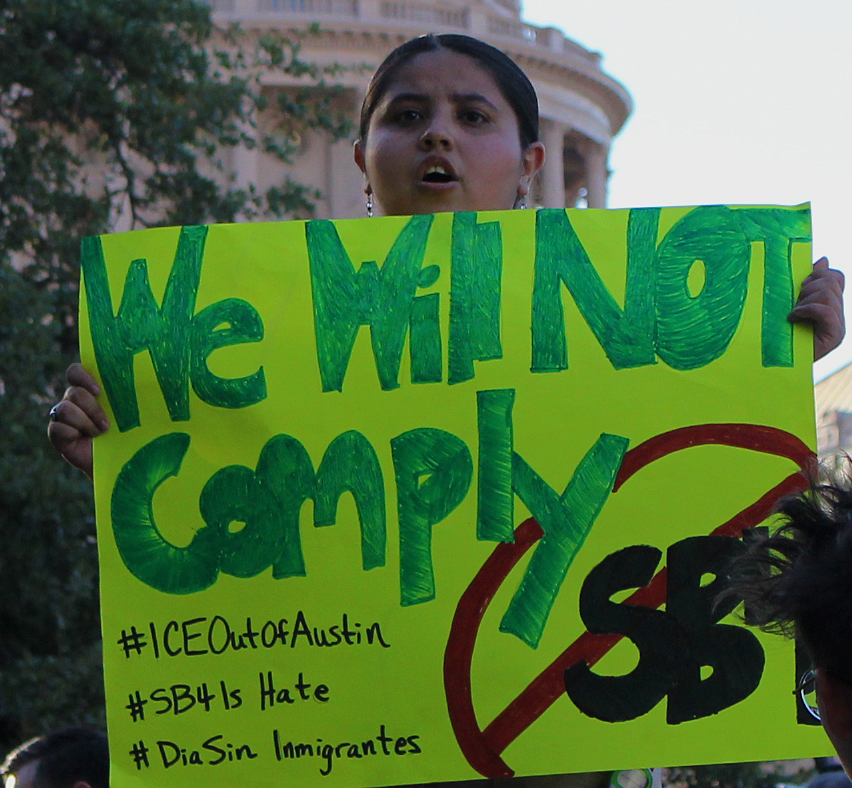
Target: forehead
[[443, 72]]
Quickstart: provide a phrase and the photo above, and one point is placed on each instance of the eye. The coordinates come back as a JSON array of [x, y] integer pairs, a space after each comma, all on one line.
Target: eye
[[473, 117], [408, 116]]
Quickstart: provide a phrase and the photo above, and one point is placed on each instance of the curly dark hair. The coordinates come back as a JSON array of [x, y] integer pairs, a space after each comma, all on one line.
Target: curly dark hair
[[798, 581]]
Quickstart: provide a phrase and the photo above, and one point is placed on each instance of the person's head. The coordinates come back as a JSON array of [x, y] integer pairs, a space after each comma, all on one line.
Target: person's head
[[69, 758], [449, 123], [798, 582]]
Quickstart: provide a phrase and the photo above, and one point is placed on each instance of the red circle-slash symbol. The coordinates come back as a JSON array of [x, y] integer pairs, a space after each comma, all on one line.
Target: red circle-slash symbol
[[483, 748]]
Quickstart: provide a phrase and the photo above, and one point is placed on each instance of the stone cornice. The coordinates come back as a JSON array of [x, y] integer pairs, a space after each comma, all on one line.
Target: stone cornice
[[364, 31], [370, 46]]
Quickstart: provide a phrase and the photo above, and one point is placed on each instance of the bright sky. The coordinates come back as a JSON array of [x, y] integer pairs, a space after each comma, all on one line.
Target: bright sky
[[735, 101]]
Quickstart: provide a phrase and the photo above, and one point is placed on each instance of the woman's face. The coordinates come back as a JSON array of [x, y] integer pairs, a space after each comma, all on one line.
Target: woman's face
[[443, 138]]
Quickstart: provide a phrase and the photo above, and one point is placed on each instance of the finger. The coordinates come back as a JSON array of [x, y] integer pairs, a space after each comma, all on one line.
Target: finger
[[811, 291], [827, 276], [830, 299], [814, 284], [92, 409], [74, 448], [827, 320], [77, 376], [827, 291], [68, 414], [62, 435], [828, 327], [821, 264], [825, 317]]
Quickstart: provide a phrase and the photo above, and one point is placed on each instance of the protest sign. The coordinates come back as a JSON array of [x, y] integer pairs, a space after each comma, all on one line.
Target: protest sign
[[429, 498]]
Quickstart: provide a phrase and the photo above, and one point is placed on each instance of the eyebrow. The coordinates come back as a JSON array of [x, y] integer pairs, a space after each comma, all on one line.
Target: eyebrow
[[458, 98]]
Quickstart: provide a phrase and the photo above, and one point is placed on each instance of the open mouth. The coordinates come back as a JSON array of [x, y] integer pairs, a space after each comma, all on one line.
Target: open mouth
[[438, 174]]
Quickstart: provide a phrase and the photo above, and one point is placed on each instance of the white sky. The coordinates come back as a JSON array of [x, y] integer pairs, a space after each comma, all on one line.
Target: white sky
[[735, 101]]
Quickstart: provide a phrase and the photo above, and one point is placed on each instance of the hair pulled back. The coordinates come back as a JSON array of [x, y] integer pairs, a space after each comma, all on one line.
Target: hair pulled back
[[513, 84]]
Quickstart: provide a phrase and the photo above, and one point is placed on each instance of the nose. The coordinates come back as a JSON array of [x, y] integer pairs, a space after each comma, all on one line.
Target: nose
[[436, 137]]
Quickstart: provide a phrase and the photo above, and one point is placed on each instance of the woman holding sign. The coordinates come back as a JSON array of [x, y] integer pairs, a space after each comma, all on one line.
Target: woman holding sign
[[449, 123]]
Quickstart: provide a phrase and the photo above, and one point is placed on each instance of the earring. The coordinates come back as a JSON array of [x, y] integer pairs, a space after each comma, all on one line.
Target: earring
[[369, 205]]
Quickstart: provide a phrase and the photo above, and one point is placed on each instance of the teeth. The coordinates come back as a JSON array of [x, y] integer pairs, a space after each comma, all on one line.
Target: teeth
[[436, 169]]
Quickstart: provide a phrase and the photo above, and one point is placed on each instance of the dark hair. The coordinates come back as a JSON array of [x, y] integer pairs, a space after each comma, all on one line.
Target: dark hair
[[64, 758], [514, 85], [798, 581]]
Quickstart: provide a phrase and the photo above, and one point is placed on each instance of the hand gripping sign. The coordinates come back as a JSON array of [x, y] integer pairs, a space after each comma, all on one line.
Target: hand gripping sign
[[325, 436]]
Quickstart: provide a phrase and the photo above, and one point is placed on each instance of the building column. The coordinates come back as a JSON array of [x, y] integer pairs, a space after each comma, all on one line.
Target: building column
[[553, 173], [478, 22], [344, 183], [597, 175], [369, 11]]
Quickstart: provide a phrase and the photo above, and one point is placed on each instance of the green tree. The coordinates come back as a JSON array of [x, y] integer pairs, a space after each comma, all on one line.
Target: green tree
[[105, 106]]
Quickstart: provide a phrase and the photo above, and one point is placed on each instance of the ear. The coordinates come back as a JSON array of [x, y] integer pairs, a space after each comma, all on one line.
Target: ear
[[835, 707], [533, 161], [359, 158]]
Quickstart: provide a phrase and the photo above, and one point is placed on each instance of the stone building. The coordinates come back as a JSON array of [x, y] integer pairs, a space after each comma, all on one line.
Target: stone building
[[833, 397], [582, 108]]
